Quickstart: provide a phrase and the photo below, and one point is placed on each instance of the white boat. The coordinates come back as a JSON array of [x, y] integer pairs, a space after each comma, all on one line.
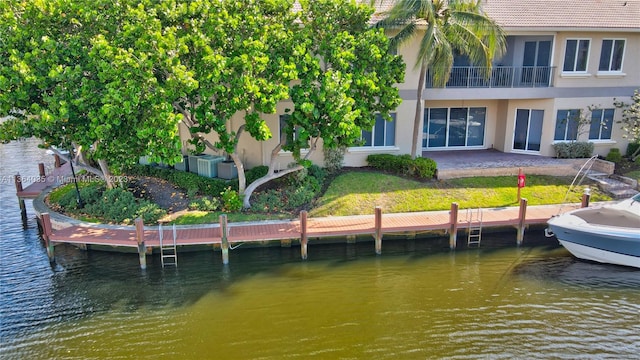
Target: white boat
[[607, 233]]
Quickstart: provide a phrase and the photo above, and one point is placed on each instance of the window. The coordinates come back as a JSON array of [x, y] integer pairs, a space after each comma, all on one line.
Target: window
[[454, 127], [611, 55], [567, 122], [576, 55], [382, 134], [601, 123], [283, 123]]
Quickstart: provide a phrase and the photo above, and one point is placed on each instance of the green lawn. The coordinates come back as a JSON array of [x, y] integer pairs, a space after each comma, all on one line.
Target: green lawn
[[358, 193]]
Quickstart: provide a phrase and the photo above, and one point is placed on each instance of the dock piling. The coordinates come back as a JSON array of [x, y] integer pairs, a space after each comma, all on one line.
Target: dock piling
[[378, 231], [41, 170], [303, 234], [521, 221], [142, 251], [225, 240], [46, 234], [453, 226], [17, 181]]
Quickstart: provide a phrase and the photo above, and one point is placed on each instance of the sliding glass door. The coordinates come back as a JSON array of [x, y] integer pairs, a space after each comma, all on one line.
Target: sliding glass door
[[528, 130], [454, 127]]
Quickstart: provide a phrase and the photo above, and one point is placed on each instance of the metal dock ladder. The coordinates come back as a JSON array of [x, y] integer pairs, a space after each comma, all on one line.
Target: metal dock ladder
[[168, 252], [474, 218]]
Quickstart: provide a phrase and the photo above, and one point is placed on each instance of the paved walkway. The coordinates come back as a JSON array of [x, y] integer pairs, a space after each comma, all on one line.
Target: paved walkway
[[490, 162], [491, 158]]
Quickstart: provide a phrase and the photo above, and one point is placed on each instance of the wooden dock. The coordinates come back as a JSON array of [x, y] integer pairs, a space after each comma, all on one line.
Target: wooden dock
[[224, 235]]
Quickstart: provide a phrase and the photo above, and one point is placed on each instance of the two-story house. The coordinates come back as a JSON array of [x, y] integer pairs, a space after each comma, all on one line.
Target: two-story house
[[561, 58]]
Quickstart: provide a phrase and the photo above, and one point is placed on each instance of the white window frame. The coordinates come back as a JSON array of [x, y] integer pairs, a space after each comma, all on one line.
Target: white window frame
[[624, 48], [600, 139], [566, 126], [373, 135], [575, 59]]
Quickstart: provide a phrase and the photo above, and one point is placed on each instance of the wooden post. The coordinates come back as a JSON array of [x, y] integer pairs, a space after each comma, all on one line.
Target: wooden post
[[46, 235], [41, 170], [303, 234], [521, 221], [17, 180], [586, 196], [453, 226], [225, 240], [142, 251], [57, 163], [378, 233]]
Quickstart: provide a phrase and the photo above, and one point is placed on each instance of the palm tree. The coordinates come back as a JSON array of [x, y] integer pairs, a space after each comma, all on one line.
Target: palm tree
[[450, 27]]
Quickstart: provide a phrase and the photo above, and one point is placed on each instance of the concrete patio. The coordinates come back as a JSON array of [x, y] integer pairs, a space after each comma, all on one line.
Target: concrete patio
[[466, 163]]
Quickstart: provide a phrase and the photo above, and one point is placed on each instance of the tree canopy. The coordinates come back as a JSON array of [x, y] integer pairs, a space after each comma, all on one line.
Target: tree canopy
[[89, 75], [114, 79]]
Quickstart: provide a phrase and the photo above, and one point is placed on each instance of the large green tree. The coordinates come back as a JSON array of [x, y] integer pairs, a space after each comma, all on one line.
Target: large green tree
[[92, 75], [242, 55], [346, 77], [444, 28]]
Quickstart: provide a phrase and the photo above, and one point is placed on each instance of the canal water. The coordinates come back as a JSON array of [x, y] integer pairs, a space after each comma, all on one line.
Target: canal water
[[418, 300]]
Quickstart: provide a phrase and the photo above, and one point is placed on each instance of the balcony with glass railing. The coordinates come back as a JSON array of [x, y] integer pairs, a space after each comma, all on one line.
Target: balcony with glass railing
[[498, 77]]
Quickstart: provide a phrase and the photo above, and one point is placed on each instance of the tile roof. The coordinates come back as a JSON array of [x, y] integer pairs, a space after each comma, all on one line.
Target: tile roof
[[620, 15], [563, 14]]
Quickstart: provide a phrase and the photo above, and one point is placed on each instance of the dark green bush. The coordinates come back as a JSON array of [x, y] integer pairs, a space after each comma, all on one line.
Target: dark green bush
[[614, 155], [403, 165], [632, 148], [573, 150], [120, 206], [255, 173], [268, 202], [185, 180], [89, 193]]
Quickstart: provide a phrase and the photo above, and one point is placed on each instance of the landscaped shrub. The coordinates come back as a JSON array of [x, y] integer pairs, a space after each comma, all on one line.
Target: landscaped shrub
[[67, 197], [333, 159], [573, 150], [269, 201], [185, 180], [231, 201], [205, 203], [297, 190], [614, 155], [256, 173], [425, 167], [120, 206], [632, 148], [403, 165]]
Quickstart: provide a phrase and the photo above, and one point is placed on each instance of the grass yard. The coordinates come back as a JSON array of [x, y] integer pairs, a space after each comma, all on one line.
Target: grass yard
[[358, 193]]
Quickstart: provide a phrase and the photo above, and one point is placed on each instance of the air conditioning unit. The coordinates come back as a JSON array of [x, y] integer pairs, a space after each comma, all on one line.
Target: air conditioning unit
[[183, 165], [192, 163], [208, 165], [227, 170]]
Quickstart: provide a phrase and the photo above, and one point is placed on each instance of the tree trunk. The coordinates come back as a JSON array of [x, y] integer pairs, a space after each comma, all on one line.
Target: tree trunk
[[242, 179], [271, 174], [108, 178], [417, 121]]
